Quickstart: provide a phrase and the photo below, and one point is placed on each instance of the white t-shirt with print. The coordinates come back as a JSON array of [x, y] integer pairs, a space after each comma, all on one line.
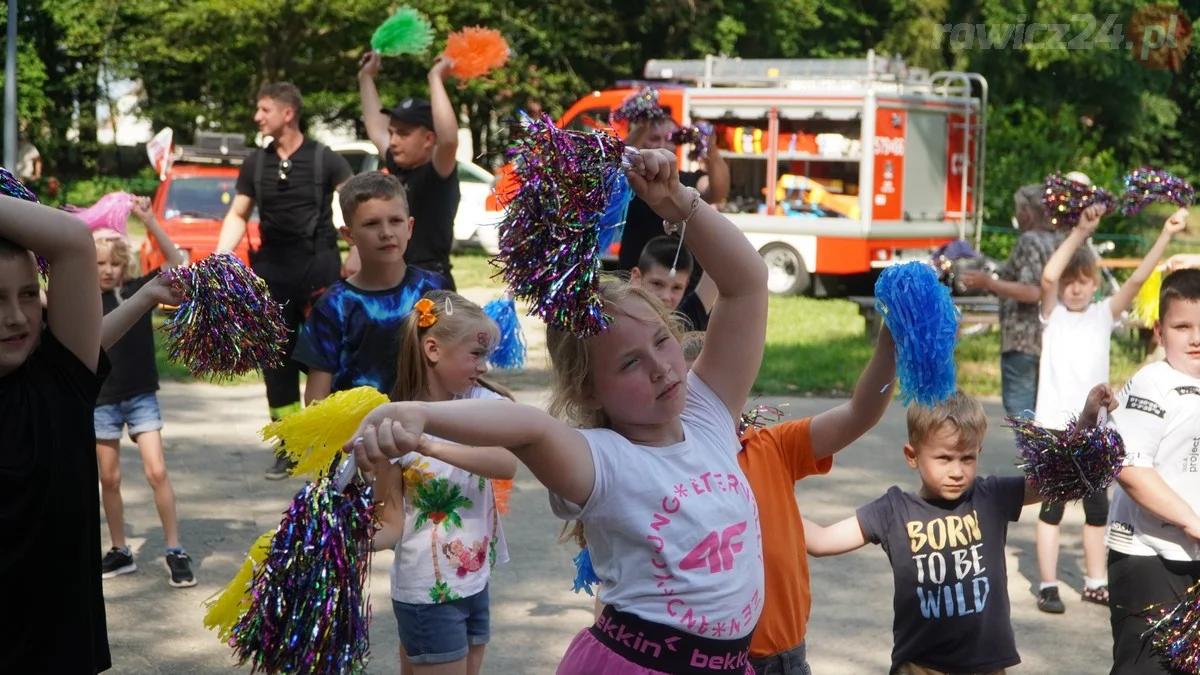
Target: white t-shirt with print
[[1159, 420], [1075, 355], [452, 535], [673, 531]]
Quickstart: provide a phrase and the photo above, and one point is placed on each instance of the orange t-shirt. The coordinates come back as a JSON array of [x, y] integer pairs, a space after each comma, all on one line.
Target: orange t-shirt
[[773, 459]]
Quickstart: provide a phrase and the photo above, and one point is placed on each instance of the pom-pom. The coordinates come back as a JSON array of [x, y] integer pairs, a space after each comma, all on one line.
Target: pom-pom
[[924, 324], [314, 437], [308, 611], [1071, 464], [696, 135], [1143, 187], [475, 52], [1145, 304], [229, 605], [405, 32], [108, 216], [501, 491], [585, 574], [612, 223], [12, 187], [228, 324], [549, 238], [1066, 199], [1175, 634], [510, 350], [640, 107], [758, 418]]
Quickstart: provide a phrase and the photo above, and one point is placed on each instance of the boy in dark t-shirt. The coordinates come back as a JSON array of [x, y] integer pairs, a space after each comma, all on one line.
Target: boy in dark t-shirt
[[946, 543], [351, 337], [653, 273], [51, 369]]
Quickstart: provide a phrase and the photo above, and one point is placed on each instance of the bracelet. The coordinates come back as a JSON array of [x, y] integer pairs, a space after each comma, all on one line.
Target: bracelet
[[672, 228]]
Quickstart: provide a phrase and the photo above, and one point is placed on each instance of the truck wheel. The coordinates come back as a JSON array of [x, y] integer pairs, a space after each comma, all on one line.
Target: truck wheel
[[786, 273]]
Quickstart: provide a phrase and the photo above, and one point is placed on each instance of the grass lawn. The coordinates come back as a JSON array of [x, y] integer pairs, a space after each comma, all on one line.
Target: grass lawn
[[471, 269], [817, 347]]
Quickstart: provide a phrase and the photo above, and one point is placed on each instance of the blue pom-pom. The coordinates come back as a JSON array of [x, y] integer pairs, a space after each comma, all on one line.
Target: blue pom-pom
[[923, 321], [510, 351], [585, 574], [612, 223]]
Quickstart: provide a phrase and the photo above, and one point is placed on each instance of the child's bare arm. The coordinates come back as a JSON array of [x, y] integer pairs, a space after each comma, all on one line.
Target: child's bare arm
[[389, 497], [1124, 296], [837, 428], [73, 296], [559, 456], [318, 386], [737, 329], [492, 462], [841, 537], [1053, 270], [145, 213], [157, 291], [1147, 488]]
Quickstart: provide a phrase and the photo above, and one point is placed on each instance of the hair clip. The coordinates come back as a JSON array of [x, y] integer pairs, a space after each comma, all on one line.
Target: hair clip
[[449, 311], [425, 315]]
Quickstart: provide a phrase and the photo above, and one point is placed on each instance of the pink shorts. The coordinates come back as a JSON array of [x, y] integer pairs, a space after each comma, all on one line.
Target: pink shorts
[[588, 656]]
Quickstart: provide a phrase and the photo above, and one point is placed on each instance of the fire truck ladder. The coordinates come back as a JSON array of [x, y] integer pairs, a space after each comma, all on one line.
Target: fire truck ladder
[[960, 85], [724, 71]]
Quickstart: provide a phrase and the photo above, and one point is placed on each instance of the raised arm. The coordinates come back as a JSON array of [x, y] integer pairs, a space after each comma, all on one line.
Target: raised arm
[[374, 119], [841, 537], [171, 255], [73, 294], [837, 428], [1053, 270], [714, 187], [738, 326], [445, 121], [1173, 225], [233, 229], [558, 455]]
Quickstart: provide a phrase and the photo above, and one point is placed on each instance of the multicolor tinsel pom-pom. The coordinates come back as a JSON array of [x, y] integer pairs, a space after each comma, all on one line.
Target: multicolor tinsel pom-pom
[[549, 238], [475, 51], [12, 187], [1145, 303], [759, 417], [585, 574], [923, 321], [1065, 200], [1067, 465], [309, 610], [228, 324], [640, 107], [1175, 634], [1145, 186], [695, 135], [510, 350], [405, 32], [313, 437]]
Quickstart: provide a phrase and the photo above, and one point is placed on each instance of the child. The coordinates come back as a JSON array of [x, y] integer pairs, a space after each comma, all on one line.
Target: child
[[351, 336], [672, 526], [653, 272], [947, 542], [51, 369], [1075, 358], [128, 401], [1153, 527], [441, 598]]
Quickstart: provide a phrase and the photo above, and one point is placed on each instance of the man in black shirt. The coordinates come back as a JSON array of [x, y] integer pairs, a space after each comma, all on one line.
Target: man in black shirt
[[418, 141], [292, 180]]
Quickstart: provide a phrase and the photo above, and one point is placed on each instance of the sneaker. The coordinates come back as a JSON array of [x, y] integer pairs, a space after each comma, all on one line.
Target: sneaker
[[1049, 602], [180, 565], [281, 469], [1096, 595], [116, 562]]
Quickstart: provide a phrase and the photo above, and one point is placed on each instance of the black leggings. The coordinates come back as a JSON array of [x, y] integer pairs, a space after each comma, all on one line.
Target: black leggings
[[1136, 584], [1095, 510]]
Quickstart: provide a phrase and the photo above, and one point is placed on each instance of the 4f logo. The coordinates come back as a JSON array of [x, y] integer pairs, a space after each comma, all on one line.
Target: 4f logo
[[716, 550]]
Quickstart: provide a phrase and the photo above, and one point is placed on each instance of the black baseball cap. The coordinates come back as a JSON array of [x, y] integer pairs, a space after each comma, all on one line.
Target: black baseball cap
[[413, 111]]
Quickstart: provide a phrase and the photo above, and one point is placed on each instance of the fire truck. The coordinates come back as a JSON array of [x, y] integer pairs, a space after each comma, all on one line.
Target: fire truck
[[839, 167]]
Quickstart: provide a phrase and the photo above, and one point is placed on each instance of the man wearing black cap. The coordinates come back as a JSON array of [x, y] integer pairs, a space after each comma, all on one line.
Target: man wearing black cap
[[418, 141]]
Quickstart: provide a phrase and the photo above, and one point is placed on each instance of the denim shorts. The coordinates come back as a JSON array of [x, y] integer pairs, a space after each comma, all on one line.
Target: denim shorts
[[443, 633], [140, 414]]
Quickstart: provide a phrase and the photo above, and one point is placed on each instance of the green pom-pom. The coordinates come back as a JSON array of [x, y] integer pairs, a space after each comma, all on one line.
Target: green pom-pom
[[406, 32]]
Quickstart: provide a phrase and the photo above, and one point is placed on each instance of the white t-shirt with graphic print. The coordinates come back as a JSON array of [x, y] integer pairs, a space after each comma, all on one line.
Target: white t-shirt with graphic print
[[1075, 358], [452, 535], [673, 532], [1159, 420]]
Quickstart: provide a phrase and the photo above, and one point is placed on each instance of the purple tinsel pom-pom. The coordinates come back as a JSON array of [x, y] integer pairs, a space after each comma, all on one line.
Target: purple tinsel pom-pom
[[1145, 186], [1065, 200], [640, 107], [1068, 465]]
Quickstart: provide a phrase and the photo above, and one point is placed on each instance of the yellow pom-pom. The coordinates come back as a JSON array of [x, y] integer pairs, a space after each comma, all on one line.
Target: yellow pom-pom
[[1145, 305], [314, 436], [226, 608]]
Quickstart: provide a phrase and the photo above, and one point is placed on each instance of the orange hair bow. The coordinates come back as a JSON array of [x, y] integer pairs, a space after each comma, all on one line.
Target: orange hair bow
[[426, 317]]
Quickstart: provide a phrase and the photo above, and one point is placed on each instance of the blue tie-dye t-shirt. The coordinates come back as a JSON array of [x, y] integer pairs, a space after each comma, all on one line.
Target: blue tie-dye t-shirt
[[355, 334]]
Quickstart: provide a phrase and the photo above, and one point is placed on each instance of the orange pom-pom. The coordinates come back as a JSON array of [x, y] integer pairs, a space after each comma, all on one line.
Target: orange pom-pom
[[475, 51], [502, 489]]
